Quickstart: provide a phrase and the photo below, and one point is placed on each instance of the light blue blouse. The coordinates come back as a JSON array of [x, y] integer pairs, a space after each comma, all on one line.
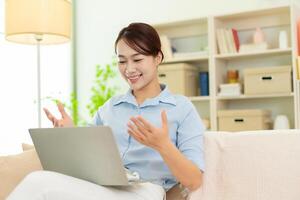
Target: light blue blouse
[[185, 130]]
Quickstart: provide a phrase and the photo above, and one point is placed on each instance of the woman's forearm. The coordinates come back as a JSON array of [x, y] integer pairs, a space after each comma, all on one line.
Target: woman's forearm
[[185, 171]]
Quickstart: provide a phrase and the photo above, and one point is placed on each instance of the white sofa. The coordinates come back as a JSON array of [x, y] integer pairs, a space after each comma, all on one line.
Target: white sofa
[[258, 165]]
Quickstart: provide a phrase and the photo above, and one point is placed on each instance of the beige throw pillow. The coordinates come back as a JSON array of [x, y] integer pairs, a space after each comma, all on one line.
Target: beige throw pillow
[[14, 168]]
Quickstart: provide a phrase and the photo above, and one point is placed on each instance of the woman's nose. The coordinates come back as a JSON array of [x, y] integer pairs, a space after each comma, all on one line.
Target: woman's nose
[[130, 68]]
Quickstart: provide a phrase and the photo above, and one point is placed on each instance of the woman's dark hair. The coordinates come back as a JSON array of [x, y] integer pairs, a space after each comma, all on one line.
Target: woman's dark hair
[[141, 37]]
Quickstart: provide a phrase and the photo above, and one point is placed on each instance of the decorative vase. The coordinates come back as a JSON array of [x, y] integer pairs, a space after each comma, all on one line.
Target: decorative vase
[[283, 40], [258, 36], [232, 76], [281, 122]]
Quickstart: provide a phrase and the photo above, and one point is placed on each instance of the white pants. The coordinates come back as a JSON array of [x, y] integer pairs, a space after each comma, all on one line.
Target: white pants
[[46, 185]]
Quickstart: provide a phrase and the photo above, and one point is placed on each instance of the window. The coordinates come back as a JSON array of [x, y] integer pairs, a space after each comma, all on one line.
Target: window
[[18, 87]]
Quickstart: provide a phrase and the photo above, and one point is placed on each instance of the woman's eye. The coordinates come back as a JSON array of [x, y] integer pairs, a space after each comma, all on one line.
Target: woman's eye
[[122, 62], [137, 60]]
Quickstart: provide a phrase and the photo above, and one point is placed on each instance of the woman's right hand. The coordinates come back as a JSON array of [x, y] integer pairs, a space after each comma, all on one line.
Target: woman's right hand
[[65, 120]]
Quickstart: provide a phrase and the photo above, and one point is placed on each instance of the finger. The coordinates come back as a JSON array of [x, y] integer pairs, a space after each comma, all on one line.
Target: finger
[[60, 124], [136, 136], [49, 115], [132, 127], [135, 130], [164, 119], [61, 109], [55, 123], [146, 124], [140, 126]]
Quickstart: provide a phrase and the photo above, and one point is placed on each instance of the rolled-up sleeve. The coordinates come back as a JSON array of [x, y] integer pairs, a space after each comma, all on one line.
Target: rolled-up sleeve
[[97, 121], [190, 137]]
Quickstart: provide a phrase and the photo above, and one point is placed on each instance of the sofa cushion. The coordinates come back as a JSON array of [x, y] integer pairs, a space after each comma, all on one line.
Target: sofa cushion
[[14, 168], [27, 147], [251, 166]]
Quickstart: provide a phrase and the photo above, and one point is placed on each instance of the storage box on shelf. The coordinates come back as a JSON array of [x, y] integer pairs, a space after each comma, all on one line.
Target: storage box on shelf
[[238, 29], [268, 80], [278, 106], [181, 78], [239, 120]]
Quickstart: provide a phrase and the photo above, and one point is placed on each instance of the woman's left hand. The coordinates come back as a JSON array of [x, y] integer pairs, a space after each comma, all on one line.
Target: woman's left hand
[[149, 135]]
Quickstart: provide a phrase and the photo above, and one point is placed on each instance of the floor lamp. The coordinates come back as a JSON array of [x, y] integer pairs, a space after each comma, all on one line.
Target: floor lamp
[[38, 22]]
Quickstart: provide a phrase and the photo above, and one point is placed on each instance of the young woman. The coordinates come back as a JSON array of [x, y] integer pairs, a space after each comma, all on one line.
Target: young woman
[[159, 134]]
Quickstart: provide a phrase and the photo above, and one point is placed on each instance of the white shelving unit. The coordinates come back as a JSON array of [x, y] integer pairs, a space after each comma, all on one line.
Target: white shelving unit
[[269, 52], [298, 104], [187, 59], [254, 96], [271, 20]]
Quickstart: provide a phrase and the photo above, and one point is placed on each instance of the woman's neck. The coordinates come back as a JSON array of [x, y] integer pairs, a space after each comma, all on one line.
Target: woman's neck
[[149, 91]]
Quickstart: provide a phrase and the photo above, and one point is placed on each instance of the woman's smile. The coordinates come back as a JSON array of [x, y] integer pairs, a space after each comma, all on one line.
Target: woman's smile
[[134, 78]]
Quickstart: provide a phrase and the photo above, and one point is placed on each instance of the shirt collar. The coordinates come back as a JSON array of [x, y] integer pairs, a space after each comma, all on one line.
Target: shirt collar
[[164, 96]]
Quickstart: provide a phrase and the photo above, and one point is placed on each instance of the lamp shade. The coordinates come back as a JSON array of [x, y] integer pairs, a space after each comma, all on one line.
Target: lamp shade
[[47, 20]]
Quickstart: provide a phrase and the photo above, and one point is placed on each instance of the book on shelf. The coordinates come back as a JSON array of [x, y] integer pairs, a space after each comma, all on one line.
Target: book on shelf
[[298, 68], [204, 83], [236, 39], [220, 41], [166, 47], [228, 41]]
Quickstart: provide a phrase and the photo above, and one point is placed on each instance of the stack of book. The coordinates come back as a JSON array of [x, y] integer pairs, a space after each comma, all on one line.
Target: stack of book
[[228, 41], [231, 89]]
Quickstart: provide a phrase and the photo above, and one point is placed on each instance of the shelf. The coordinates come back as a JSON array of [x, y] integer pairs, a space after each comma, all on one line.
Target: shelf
[[254, 96], [187, 59], [275, 10], [271, 20], [200, 98], [270, 52]]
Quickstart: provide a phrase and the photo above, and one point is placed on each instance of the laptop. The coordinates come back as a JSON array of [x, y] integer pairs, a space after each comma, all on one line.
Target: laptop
[[88, 153]]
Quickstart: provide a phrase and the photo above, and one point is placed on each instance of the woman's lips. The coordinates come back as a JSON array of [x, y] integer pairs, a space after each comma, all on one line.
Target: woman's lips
[[134, 79]]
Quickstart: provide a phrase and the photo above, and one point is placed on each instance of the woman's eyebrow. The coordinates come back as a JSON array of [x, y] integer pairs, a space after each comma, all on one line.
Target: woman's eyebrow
[[133, 55], [136, 54]]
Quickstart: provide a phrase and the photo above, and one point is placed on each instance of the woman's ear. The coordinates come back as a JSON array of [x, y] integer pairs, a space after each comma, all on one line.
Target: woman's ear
[[158, 59]]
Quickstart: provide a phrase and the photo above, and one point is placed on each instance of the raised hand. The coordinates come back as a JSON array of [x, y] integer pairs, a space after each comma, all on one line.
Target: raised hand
[[147, 134], [65, 120]]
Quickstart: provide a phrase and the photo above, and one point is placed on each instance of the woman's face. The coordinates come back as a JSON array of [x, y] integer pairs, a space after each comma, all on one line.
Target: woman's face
[[137, 69]]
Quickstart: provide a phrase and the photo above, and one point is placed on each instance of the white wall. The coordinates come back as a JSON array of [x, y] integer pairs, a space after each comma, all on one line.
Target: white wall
[[98, 23]]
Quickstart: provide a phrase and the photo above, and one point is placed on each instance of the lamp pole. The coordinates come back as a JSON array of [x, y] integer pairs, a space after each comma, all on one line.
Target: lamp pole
[[39, 38]]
